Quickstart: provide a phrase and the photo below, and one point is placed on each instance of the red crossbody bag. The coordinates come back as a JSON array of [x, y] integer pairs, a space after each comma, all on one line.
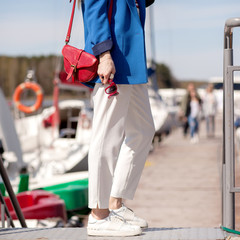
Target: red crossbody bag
[[78, 64]]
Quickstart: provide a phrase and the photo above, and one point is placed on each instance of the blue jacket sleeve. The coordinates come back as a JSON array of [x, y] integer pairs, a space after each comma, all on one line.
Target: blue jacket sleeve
[[96, 21]]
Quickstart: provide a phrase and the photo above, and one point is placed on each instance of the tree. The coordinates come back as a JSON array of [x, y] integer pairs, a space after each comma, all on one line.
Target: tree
[[164, 77], [13, 71]]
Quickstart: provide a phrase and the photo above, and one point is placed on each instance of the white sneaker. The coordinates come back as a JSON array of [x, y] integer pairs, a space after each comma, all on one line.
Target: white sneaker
[[196, 138], [192, 140], [130, 217], [111, 226]]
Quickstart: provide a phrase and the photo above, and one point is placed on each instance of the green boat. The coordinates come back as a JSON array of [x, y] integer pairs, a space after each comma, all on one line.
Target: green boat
[[74, 194]]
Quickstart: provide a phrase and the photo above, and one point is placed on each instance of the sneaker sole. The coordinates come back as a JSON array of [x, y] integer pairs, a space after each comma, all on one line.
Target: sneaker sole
[[109, 233]]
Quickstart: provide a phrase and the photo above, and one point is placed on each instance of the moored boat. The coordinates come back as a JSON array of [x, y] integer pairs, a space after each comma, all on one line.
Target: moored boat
[[38, 204], [56, 139]]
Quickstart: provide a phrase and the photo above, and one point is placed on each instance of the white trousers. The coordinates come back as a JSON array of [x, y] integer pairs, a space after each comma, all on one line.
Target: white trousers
[[122, 133]]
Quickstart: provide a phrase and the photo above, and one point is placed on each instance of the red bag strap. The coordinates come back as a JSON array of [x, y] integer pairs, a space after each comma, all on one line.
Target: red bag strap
[[70, 23], [110, 12], [72, 15]]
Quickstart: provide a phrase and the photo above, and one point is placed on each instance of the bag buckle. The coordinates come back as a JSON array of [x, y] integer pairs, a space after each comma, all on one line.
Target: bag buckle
[[74, 67]]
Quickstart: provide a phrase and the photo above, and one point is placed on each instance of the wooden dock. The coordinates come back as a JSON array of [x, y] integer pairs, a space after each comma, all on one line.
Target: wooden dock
[[81, 234], [179, 193], [181, 183]]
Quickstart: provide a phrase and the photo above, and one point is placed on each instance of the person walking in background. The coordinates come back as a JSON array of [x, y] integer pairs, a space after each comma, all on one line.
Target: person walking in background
[[123, 127], [193, 118], [210, 110], [185, 108]]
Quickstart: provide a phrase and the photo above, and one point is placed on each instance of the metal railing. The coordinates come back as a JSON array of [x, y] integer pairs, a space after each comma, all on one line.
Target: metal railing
[[228, 188]]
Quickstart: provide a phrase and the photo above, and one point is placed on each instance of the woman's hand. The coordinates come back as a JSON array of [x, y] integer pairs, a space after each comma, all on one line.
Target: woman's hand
[[106, 67]]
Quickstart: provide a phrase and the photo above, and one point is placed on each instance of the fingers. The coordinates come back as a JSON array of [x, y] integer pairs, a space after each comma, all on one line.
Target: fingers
[[106, 71], [104, 79]]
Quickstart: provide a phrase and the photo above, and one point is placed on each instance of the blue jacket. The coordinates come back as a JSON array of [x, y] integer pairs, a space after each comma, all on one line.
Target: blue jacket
[[124, 37]]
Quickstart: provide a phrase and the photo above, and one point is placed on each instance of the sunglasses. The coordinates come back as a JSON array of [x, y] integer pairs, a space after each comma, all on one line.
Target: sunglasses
[[111, 90]]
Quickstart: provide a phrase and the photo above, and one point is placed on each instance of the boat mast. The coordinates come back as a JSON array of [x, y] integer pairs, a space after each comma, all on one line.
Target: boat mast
[[152, 35], [151, 46]]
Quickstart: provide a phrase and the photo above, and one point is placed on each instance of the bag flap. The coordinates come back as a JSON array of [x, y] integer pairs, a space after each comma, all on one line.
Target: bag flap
[[72, 55]]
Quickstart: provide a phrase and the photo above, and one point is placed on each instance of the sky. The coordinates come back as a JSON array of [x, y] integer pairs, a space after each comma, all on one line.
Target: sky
[[188, 34]]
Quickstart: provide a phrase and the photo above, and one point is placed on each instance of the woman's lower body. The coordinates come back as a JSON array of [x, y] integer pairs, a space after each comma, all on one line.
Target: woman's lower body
[[194, 125], [122, 134]]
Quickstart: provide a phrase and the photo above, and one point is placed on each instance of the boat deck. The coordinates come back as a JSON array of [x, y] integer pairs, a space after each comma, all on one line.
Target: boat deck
[[179, 194], [81, 234]]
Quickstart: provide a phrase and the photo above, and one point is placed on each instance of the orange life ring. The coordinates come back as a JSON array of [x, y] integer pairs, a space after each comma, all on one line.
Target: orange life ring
[[37, 90]]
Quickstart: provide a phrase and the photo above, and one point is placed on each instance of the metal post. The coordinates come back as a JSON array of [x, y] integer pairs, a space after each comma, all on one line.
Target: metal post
[[4, 210], [9, 222], [3, 215], [228, 202], [12, 194]]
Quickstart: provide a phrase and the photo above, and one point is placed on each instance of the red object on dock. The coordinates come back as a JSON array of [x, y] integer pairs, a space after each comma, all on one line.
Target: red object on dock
[[38, 204]]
